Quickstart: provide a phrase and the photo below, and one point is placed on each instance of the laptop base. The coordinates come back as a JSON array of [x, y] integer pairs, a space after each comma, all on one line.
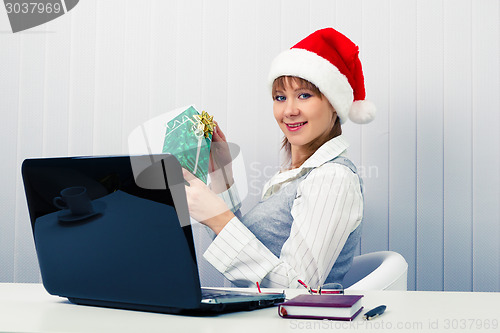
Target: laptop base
[[203, 310]]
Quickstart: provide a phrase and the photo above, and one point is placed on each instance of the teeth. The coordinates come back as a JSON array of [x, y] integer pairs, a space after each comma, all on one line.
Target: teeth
[[297, 125]]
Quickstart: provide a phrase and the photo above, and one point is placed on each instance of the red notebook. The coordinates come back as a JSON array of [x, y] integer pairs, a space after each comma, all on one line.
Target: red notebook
[[333, 307]]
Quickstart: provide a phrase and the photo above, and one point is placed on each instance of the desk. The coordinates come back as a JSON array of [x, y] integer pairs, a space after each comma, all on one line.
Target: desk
[[29, 308]]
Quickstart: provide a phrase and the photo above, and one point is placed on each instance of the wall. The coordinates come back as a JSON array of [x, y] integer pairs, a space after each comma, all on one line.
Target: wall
[[79, 84]]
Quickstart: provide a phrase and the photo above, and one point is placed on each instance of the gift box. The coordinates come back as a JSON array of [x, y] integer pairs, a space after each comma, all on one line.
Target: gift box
[[188, 137]]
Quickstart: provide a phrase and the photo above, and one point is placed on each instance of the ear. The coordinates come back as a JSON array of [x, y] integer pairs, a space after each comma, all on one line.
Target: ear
[[335, 116]]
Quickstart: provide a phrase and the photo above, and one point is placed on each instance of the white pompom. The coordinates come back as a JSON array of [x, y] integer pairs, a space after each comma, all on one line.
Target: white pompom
[[362, 112]]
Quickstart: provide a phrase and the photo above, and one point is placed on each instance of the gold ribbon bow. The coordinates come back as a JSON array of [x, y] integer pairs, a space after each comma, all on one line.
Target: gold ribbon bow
[[205, 123]]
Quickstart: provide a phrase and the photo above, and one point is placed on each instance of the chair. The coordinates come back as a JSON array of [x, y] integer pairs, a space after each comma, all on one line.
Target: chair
[[383, 270]]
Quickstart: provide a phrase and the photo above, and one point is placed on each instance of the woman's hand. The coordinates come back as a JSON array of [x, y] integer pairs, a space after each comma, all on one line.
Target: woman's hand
[[204, 205], [219, 167]]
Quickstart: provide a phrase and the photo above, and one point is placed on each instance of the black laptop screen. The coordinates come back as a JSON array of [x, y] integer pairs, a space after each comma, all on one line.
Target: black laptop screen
[[98, 219], [46, 178]]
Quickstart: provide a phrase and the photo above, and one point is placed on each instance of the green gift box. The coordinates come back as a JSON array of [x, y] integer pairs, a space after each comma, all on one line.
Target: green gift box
[[188, 137]]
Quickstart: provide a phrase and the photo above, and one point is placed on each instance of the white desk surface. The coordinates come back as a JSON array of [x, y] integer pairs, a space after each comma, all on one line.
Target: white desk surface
[[29, 308]]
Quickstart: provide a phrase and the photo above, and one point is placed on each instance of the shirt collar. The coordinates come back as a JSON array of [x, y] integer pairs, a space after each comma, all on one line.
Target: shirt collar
[[328, 151]]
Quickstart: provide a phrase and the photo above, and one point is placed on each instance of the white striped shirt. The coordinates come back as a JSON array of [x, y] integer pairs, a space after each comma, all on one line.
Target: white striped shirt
[[328, 206]]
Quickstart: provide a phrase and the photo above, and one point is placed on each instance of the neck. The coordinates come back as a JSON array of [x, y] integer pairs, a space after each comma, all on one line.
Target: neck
[[298, 156]]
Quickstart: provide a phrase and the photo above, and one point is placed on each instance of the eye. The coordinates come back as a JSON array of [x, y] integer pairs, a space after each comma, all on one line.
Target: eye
[[304, 96], [279, 98]]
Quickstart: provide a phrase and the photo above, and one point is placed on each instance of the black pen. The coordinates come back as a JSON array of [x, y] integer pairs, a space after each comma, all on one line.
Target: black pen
[[375, 312]]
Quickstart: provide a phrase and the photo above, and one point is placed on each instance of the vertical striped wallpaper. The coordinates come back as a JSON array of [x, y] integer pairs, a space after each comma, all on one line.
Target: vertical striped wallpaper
[[430, 161]]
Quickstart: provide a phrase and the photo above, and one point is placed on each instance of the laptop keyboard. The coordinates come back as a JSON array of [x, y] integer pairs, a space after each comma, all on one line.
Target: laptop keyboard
[[214, 293], [224, 296]]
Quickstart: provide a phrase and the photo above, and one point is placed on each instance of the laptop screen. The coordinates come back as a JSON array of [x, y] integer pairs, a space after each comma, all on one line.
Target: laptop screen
[[105, 225]]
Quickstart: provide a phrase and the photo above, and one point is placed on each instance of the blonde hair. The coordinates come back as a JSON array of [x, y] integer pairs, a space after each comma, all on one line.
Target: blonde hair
[[280, 83]]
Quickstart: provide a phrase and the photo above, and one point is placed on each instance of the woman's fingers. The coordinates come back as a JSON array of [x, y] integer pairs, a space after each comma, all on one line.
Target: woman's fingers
[[218, 135], [221, 134], [188, 176]]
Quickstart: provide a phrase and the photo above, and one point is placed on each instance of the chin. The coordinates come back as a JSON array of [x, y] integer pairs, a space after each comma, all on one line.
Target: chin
[[297, 142]]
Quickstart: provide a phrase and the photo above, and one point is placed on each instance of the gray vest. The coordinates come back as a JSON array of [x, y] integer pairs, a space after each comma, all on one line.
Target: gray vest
[[271, 221]]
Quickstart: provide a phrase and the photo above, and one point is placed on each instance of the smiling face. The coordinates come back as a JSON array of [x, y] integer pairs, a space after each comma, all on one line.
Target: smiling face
[[303, 114]]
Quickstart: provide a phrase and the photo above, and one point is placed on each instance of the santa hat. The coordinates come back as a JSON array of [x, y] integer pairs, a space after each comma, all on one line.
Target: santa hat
[[329, 60]]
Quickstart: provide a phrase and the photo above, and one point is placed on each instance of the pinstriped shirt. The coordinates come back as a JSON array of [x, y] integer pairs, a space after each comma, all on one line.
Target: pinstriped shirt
[[327, 206]]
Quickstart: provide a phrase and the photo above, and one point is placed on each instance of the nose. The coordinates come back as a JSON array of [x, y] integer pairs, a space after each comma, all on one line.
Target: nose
[[290, 109]]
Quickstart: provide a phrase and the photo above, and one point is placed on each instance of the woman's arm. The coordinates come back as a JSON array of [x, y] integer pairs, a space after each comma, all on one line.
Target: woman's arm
[[221, 172], [328, 207], [220, 166], [204, 205]]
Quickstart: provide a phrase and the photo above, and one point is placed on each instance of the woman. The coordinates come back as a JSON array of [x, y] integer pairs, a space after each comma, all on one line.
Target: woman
[[308, 223]]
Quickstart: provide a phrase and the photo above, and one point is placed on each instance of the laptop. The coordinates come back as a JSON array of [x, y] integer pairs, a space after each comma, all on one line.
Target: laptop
[[114, 231]]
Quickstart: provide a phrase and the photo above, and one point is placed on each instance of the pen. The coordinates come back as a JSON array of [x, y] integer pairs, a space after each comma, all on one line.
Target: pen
[[305, 286], [375, 312]]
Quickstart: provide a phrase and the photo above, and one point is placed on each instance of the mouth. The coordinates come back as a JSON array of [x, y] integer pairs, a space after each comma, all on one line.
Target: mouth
[[295, 126]]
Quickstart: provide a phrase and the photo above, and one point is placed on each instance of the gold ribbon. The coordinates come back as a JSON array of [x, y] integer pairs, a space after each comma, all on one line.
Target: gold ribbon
[[205, 124]]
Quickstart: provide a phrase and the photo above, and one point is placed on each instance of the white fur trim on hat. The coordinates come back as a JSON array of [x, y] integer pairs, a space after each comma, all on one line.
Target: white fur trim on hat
[[362, 112], [319, 71]]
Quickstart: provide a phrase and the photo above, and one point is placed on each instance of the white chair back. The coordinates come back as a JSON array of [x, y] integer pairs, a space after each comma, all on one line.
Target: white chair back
[[383, 270]]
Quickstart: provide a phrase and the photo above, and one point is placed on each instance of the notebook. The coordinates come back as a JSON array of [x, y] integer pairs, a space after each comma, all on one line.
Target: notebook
[[115, 231], [332, 307]]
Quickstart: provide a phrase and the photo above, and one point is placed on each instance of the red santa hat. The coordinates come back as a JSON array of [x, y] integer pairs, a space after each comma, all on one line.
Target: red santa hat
[[329, 60]]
